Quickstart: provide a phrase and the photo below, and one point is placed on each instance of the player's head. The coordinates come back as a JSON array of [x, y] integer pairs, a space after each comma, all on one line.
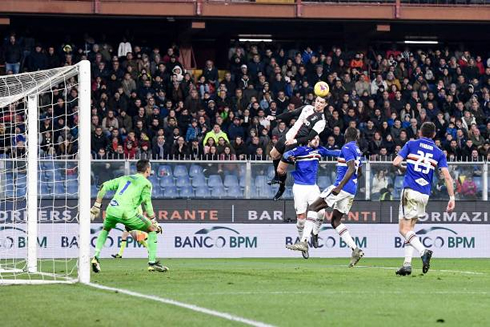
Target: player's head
[[143, 167], [314, 142], [350, 134], [320, 103], [428, 129]]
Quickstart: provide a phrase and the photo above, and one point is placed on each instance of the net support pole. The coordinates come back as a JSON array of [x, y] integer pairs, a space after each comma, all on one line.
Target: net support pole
[[84, 171], [32, 166]]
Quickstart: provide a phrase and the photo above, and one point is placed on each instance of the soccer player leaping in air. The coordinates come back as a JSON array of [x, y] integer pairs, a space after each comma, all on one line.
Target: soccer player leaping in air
[[423, 157], [339, 196], [131, 192], [310, 123], [305, 190]]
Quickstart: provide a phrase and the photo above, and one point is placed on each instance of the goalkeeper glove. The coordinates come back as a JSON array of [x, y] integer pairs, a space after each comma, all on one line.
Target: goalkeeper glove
[[95, 211], [155, 223]]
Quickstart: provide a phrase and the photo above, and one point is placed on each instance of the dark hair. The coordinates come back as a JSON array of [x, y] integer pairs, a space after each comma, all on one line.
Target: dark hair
[[142, 165], [428, 129], [351, 133]]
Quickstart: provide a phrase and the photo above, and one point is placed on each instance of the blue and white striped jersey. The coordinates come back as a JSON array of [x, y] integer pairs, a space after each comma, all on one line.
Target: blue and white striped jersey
[[423, 156], [350, 151], [307, 161]]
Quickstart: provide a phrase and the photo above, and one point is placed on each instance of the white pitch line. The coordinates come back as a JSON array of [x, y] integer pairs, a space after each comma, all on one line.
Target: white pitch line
[[183, 305]]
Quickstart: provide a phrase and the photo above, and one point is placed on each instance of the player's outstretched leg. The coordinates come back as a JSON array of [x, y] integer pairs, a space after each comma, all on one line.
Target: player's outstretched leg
[[124, 243], [343, 232], [316, 228], [406, 269], [153, 264], [406, 230], [311, 219], [100, 244]]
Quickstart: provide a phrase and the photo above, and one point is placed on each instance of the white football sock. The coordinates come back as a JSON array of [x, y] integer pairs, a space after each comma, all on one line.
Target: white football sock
[[300, 225], [408, 254], [309, 225], [319, 221], [414, 241], [345, 235]]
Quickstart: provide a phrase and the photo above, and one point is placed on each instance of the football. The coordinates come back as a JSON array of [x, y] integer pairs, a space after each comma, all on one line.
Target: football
[[321, 89]]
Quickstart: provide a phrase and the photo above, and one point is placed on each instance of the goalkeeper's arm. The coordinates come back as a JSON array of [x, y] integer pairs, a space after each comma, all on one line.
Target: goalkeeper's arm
[[113, 184]]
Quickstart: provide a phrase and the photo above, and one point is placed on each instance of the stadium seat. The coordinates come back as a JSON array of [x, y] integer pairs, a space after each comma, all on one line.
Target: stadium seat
[[324, 182], [270, 172], [59, 190], [180, 170], [72, 189], [202, 192], [235, 192], [243, 182], [478, 181], [288, 194], [195, 170], [167, 181], [132, 169], [215, 180], [183, 181], [187, 192], [231, 181], [164, 170], [158, 193], [218, 192], [198, 181], [154, 180], [170, 192], [93, 190], [45, 189], [261, 181], [49, 175], [265, 192]]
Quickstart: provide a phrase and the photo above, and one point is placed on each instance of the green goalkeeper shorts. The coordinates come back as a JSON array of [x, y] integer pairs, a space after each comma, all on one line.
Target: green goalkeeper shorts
[[138, 222]]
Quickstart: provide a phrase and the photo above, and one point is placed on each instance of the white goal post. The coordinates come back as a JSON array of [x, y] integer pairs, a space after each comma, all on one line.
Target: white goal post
[[44, 170]]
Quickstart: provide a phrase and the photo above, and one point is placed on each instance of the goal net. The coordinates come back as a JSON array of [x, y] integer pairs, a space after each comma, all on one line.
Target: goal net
[[45, 176]]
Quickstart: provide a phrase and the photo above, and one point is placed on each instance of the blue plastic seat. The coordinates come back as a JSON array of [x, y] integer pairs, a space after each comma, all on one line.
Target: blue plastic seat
[[261, 181], [324, 182], [59, 190], [288, 194], [202, 192], [198, 181], [180, 170], [270, 172], [46, 189], [231, 181], [265, 192], [170, 192], [218, 192], [478, 181], [157, 193], [164, 170], [187, 192], [183, 181], [235, 192], [93, 191], [167, 181], [72, 188], [153, 180], [132, 169], [195, 170], [49, 175], [215, 181], [243, 182]]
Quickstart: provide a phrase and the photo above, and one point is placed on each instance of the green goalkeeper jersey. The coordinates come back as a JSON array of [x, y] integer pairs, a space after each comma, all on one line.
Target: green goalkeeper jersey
[[131, 192]]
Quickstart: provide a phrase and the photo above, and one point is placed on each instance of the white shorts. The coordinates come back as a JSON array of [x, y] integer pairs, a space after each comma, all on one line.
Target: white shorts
[[341, 202], [412, 204], [304, 195]]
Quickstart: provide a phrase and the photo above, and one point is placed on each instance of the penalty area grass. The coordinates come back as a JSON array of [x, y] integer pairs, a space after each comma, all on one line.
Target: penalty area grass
[[280, 292]]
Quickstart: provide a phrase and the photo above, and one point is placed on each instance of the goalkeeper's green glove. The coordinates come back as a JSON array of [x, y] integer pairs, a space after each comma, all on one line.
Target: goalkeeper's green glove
[[95, 211], [155, 223]]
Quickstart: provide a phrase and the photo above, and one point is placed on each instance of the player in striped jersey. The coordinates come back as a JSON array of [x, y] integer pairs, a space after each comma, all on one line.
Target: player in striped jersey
[[305, 190], [340, 196], [422, 157], [310, 123]]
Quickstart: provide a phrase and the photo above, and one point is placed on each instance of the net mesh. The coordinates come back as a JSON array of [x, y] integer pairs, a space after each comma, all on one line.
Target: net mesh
[[55, 93]]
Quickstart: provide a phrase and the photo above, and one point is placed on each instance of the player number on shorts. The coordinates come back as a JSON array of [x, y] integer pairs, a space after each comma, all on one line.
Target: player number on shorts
[[423, 164], [125, 187]]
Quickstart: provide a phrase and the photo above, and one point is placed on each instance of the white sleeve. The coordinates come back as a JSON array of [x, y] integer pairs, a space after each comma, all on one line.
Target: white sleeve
[[319, 126]]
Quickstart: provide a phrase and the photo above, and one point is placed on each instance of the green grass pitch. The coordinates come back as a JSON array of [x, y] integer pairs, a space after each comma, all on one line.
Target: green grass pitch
[[280, 292]]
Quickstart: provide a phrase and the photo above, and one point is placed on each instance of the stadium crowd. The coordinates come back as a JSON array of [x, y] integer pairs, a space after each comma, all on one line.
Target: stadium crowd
[[146, 105]]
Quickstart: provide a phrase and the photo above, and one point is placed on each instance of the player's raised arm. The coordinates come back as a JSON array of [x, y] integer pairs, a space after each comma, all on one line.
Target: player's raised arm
[[288, 114], [110, 185], [324, 152], [291, 154]]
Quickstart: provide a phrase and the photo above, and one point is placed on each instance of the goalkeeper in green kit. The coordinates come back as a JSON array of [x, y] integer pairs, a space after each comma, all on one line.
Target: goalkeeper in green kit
[[131, 192]]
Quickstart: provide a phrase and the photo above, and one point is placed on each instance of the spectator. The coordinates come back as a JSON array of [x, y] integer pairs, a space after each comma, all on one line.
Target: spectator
[[12, 55], [215, 134], [469, 188], [380, 182]]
